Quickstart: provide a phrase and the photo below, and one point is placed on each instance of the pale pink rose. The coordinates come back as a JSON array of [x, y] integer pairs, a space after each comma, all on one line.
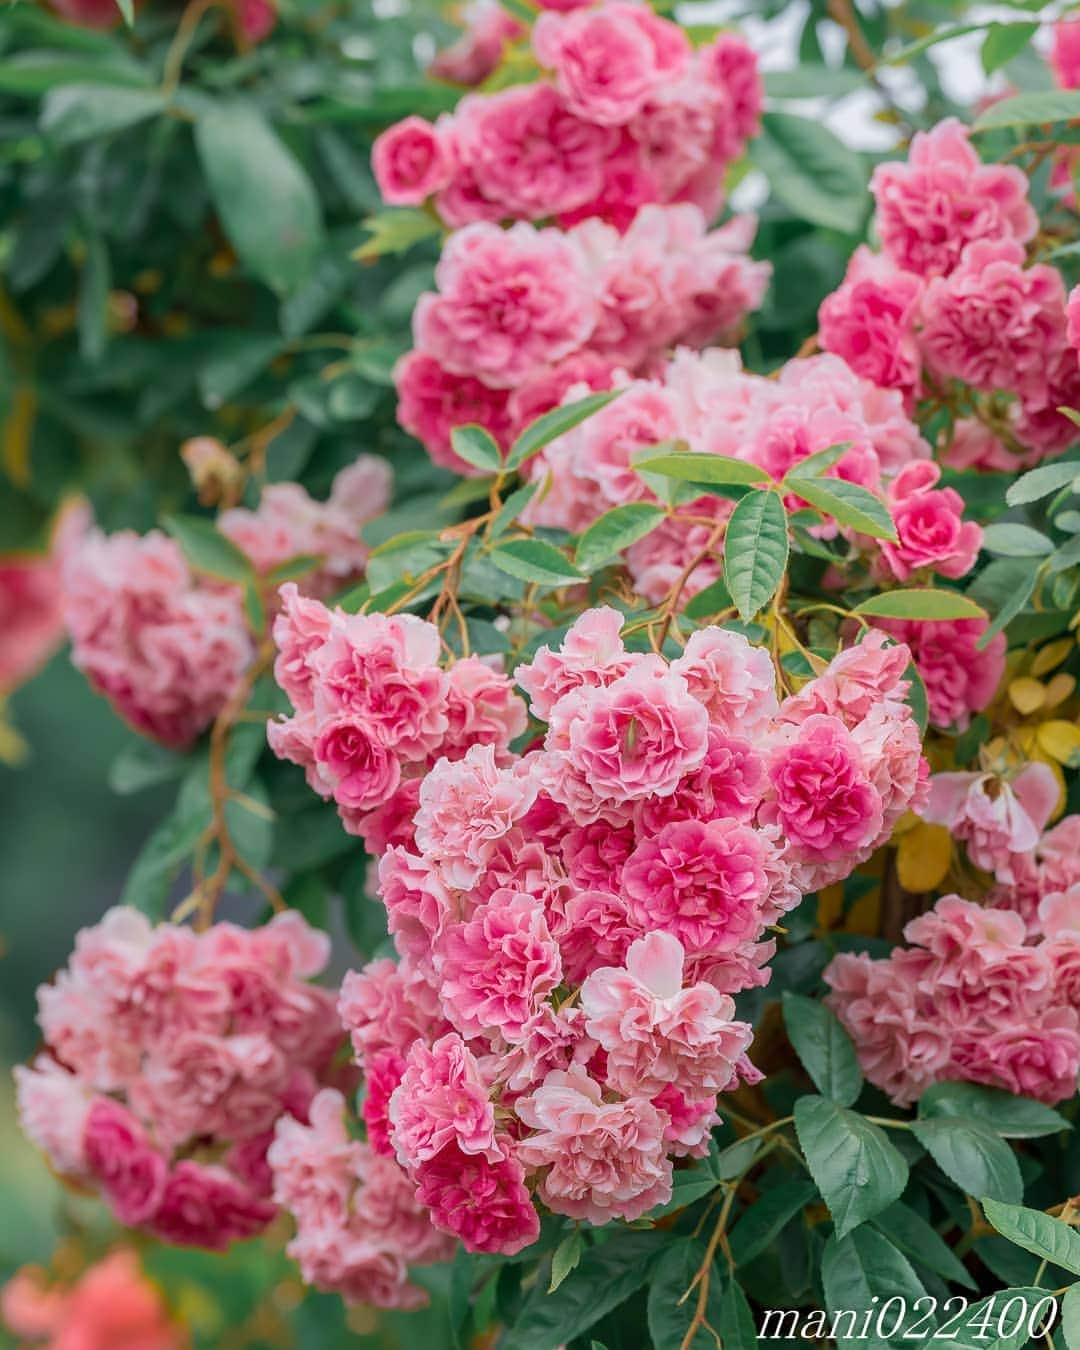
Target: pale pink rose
[[993, 322], [359, 771], [479, 50], [1036, 422], [417, 903], [31, 599], [1037, 1058], [644, 415], [718, 285], [388, 1004], [442, 1099], [656, 1032], [52, 1105], [315, 1165], [301, 627], [690, 1123], [974, 446], [495, 970], [431, 402], [704, 882], [824, 799], [391, 822], [959, 678], [591, 655], [481, 706], [731, 784], [856, 680], [508, 303], [120, 1156], [627, 185], [481, 1199], [412, 160], [597, 931], [675, 132], [929, 526], [996, 818], [734, 680], [869, 320], [204, 1206], [634, 738], [731, 66], [604, 1160], [466, 807], [608, 60], [942, 199], [529, 152]]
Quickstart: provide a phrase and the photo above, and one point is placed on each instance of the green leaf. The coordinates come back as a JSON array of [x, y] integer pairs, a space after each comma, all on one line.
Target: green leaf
[[857, 1170], [813, 81], [694, 466], [1047, 478], [709, 601], [978, 1327], [921, 1243], [1016, 541], [1070, 1317], [83, 112], [534, 560], [767, 1216], [726, 1163], [207, 550], [615, 530], [554, 424], [396, 232], [848, 503], [565, 1258], [1004, 588], [735, 1324], [267, 203], [309, 893], [824, 1048], [233, 360], [476, 447], [817, 463], [920, 604], [1064, 557], [95, 282], [686, 1187], [1010, 1116], [865, 1272], [971, 1155], [1051, 105], [816, 176], [669, 1314], [127, 10], [755, 551], [1003, 42], [606, 1275], [512, 508], [151, 877], [1045, 1237], [144, 764]]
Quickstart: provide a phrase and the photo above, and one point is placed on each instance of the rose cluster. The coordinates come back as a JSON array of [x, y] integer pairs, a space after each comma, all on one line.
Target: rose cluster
[[522, 315], [950, 297], [164, 646], [288, 523], [626, 113], [572, 921], [374, 709], [170, 1057], [978, 996]]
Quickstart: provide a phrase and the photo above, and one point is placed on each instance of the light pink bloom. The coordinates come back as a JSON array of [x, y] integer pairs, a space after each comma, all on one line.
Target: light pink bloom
[[604, 1160], [996, 818], [591, 654], [52, 1106], [734, 680], [869, 320], [442, 1099], [204, 1206], [431, 402], [959, 678]]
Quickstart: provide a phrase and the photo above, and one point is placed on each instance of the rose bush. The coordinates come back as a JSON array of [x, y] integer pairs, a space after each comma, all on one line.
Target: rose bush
[[613, 656]]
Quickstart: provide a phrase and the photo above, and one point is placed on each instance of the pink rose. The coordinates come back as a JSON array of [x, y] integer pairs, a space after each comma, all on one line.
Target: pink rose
[[442, 1099], [432, 402], [481, 1199], [412, 160], [869, 320], [120, 1156], [959, 678], [205, 1206], [929, 528], [998, 819]]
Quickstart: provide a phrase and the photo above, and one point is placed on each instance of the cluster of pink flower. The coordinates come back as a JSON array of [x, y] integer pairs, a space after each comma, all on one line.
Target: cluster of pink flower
[[288, 523], [978, 997], [171, 1055], [112, 1306], [166, 648], [522, 315], [950, 298], [374, 710], [358, 1222], [571, 923], [628, 114]]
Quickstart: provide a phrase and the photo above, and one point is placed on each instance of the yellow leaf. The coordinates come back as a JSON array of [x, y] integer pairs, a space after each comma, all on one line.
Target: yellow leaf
[[1051, 656], [923, 857], [1027, 695], [17, 432], [1059, 689], [1061, 741]]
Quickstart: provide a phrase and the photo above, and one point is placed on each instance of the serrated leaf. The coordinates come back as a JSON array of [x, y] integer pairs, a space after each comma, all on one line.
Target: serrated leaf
[[824, 1048], [208, 550], [1003, 41], [972, 1156], [477, 447], [694, 466], [536, 561], [1044, 1236], [396, 231], [564, 1258], [912, 1235], [1011, 1116], [755, 551], [816, 176], [767, 1216], [1070, 1317], [1051, 105], [857, 1170], [847, 503], [614, 531], [554, 424], [920, 604], [860, 1272]]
